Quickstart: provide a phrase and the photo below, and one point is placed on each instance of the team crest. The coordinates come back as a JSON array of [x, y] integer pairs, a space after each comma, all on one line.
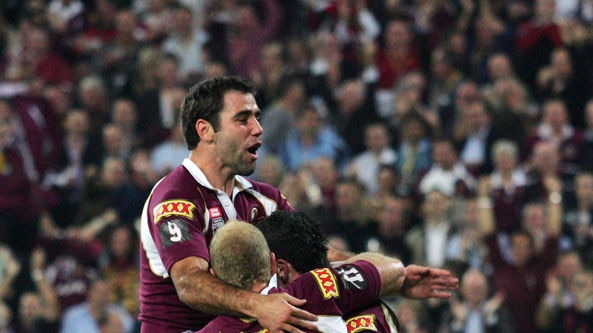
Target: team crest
[[181, 208], [361, 323], [253, 214], [327, 282]]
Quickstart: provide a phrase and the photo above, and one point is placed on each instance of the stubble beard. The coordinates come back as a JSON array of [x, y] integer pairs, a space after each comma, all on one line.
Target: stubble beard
[[234, 158]]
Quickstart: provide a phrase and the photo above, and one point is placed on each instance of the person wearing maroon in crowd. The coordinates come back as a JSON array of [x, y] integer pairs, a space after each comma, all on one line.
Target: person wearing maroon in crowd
[[331, 292], [219, 119]]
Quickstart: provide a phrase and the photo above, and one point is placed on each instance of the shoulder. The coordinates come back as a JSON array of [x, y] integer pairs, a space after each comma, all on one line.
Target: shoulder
[[265, 189], [178, 183]]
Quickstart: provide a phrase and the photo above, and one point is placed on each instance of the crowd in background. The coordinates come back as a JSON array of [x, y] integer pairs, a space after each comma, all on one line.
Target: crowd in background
[[449, 133]]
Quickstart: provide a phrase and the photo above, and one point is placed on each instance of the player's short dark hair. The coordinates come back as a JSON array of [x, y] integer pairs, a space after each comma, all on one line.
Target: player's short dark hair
[[205, 100], [296, 238]]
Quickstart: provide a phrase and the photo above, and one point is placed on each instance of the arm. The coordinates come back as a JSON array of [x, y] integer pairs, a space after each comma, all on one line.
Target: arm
[[200, 290], [13, 267], [50, 299], [423, 282], [391, 270], [553, 186], [412, 281], [485, 209]]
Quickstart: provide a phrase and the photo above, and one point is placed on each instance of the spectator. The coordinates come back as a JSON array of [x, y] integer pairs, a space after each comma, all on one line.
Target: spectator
[[272, 71], [559, 80], [365, 166], [521, 280], [167, 154], [475, 137], [555, 127], [560, 292], [248, 33], [397, 55], [38, 309], [20, 199], [116, 60], [311, 139], [159, 107], [118, 263], [326, 175], [281, 114], [271, 170], [535, 40], [85, 317], [467, 245], [353, 214], [429, 238], [353, 113], [125, 115], [414, 153], [502, 192], [445, 78], [393, 222], [478, 310], [447, 173], [578, 218], [186, 41], [546, 177]]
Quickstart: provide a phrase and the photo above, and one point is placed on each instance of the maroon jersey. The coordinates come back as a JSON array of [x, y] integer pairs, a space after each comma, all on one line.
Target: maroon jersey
[[330, 293], [376, 318], [179, 219]]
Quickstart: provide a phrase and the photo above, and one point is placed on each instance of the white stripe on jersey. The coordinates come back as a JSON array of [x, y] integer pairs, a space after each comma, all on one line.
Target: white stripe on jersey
[[152, 254]]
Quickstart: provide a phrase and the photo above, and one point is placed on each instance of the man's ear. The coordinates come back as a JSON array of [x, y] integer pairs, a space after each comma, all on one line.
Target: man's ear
[[283, 271], [205, 130]]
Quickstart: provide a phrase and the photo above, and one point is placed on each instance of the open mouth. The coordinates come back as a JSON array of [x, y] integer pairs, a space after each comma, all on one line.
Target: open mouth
[[253, 149]]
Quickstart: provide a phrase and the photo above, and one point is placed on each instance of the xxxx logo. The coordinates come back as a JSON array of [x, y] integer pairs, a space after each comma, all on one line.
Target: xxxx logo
[[173, 207], [327, 282], [361, 323]]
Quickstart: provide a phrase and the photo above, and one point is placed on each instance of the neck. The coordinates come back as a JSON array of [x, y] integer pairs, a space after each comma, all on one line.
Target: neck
[[259, 286], [218, 176]]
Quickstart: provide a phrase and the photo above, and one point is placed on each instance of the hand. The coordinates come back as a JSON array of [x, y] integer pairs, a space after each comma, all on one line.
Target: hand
[[484, 187], [458, 309], [279, 313], [424, 282], [552, 184], [37, 259], [493, 304]]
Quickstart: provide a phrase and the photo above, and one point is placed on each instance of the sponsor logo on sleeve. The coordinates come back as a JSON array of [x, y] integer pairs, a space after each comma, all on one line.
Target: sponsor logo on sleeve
[[361, 323], [181, 208], [327, 282]]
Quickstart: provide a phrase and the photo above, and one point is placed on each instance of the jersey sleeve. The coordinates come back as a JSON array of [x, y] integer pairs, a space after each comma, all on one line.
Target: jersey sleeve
[[338, 290], [175, 223]]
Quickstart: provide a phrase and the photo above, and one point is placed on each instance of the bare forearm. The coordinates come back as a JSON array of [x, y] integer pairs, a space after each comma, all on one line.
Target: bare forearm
[[391, 270], [202, 291]]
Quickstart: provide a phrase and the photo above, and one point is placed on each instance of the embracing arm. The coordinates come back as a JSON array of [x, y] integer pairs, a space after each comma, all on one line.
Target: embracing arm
[[391, 270], [412, 281], [200, 290]]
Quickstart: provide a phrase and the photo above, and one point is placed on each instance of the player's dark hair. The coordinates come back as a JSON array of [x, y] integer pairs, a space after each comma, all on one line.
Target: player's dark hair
[[296, 238], [205, 100]]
